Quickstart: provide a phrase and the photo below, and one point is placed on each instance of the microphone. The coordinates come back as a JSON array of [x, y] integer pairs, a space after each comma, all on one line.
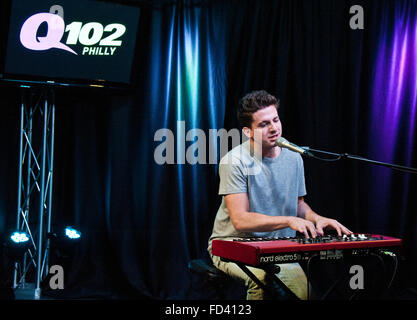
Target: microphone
[[284, 143]]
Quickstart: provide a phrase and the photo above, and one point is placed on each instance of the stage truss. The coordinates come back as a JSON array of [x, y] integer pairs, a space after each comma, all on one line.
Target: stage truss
[[35, 184]]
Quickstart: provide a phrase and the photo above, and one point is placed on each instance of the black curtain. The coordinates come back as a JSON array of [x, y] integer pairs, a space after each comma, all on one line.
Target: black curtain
[[142, 222]]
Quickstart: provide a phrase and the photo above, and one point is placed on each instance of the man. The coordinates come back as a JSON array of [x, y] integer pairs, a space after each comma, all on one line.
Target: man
[[263, 188]]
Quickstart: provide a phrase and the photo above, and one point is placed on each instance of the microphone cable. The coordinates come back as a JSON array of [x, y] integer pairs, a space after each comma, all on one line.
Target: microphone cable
[[395, 269], [308, 274], [312, 155]]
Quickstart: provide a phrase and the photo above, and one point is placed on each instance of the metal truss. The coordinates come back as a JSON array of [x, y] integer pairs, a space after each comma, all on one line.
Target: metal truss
[[35, 182]]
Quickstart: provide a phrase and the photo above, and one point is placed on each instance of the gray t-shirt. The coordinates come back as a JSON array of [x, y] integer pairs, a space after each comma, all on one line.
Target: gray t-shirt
[[273, 186]]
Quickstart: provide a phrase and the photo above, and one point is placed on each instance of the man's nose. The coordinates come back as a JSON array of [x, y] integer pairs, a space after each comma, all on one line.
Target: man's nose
[[273, 126]]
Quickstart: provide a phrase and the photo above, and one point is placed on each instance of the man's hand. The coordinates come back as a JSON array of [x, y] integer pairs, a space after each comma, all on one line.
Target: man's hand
[[303, 226], [322, 222]]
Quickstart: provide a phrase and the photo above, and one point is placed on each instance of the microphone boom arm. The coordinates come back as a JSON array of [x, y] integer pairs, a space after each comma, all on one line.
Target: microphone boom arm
[[353, 157]]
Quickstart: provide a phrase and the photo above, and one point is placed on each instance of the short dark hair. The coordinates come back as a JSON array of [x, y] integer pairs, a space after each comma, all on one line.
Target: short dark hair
[[253, 102]]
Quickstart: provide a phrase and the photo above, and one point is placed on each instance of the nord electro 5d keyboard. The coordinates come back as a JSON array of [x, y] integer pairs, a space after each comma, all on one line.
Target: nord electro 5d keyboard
[[264, 251]]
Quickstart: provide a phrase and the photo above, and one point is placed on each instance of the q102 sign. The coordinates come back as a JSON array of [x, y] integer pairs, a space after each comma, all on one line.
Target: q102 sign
[[90, 40]]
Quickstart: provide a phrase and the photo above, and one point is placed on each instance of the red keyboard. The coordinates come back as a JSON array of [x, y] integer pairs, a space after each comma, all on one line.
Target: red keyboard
[[261, 251]]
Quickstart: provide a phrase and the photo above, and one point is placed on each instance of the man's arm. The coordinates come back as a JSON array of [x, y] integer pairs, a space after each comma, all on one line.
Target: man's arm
[[304, 211], [245, 221]]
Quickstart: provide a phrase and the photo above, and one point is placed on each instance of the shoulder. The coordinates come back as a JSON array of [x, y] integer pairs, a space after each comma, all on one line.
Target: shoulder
[[239, 155]]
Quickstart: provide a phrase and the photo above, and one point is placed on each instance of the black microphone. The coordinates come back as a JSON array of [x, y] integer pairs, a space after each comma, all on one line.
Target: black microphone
[[283, 143]]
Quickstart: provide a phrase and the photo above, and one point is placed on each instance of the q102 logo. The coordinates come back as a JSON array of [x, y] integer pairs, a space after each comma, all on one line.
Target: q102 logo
[[91, 35]]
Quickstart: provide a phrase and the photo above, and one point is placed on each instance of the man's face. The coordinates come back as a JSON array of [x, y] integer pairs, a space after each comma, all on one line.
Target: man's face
[[265, 124]]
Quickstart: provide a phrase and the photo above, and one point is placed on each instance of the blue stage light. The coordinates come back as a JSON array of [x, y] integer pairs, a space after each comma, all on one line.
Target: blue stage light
[[72, 233], [19, 237], [16, 244]]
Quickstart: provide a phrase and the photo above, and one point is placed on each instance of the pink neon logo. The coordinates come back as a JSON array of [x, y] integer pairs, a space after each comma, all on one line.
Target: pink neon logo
[[56, 29]]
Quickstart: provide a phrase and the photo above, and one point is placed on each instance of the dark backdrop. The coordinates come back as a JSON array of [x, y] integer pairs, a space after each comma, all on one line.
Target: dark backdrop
[[341, 90]]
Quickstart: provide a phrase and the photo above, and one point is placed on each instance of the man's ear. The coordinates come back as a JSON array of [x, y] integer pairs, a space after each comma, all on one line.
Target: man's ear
[[247, 132]]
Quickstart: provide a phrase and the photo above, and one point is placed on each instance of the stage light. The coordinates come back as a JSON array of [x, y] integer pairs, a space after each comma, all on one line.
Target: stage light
[[64, 244], [68, 234], [19, 237], [72, 233], [17, 243]]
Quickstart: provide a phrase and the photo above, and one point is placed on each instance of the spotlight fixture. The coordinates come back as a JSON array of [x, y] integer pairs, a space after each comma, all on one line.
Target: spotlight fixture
[[64, 243], [68, 234], [19, 237], [17, 243], [72, 233]]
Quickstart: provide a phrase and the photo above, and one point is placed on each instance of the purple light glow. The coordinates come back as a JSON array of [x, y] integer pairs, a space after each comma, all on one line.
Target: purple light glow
[[395, 89], [393, 108]]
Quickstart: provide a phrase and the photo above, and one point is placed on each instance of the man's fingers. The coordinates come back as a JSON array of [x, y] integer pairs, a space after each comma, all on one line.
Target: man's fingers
[[312, 231], [319, 230], [304, 232], [308, 230], [336, 226], [346, 231], [342, 229]]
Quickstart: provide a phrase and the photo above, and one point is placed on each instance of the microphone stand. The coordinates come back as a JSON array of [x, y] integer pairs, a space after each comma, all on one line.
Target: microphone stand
[[339, 156], [353, 157]]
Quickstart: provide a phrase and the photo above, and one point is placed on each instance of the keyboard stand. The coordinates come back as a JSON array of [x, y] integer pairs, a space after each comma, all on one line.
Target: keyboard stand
[[271, 272]]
